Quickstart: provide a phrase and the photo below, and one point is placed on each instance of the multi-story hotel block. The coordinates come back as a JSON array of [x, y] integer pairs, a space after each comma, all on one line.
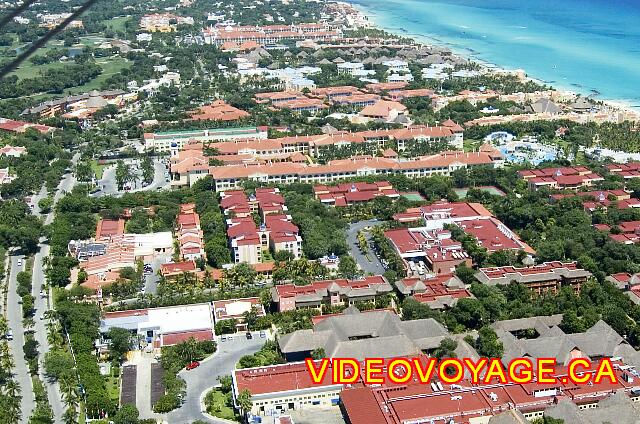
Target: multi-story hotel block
[[276, 232], [231, 177], [268, 34], [189, 234], [174, 141], [542, 278], [339, 292]]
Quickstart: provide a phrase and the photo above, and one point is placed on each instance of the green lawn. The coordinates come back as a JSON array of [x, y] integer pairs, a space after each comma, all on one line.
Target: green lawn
[[462, 192], [110, 66], [217, 405], [471, 145], [29, 70], [92, 40], [117, 24], [413, 197], [97, 169], [113, 388]]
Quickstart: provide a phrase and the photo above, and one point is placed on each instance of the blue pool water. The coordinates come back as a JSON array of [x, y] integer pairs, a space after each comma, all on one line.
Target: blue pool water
[[587, 46]]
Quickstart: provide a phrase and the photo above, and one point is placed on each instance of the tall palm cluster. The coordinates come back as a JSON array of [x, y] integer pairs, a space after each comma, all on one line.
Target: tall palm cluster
[[68, 379], [10, 393]]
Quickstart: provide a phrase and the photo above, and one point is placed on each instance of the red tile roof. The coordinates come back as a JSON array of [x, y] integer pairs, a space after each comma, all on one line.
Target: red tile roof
[[170, 339], [493, 235], [177, 267], [109, 228], [218, 111], [278, 378]]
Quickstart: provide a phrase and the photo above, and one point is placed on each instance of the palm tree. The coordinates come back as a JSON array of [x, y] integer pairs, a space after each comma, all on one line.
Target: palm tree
[[14, 396], [70, 415], [69, 390], [190, 349], [223, 284], [12, 389], [244, 401], [207, 280], [6, 361]]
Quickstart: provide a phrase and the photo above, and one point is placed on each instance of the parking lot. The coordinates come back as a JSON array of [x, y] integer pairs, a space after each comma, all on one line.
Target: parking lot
[[107, 185], [151, 276], [369, 263], [417, 269]]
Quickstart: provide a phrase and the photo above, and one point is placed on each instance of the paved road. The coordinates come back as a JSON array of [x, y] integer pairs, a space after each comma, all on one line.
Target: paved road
[[35, 209], [374, 266], [201, 379], [14, 316], [143, 361], [42, 304], [151, 280]]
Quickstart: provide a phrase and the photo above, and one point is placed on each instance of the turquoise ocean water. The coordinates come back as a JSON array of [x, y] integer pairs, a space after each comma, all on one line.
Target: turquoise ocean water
[[587, 46]]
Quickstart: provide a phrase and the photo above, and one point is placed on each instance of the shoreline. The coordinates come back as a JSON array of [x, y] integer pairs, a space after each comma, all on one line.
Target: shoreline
[[469, 54]]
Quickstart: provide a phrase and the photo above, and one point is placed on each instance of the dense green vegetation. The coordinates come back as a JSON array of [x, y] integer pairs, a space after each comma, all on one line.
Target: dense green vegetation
[[174, 358], [44, 162], [321, 228], [557, 231], [79, 322], [219, 401], [269, 354]]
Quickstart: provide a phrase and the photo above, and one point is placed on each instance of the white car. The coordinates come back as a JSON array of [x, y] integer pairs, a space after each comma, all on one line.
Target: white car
[[19, 262]]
